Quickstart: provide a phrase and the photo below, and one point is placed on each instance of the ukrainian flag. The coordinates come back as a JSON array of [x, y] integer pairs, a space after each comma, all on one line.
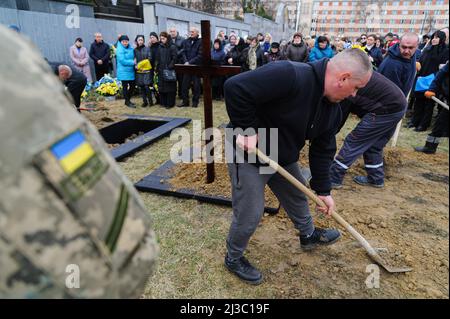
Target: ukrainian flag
[[73, 152]]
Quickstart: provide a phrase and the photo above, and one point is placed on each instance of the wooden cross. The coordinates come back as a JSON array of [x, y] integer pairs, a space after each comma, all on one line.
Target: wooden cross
[[207, 70]]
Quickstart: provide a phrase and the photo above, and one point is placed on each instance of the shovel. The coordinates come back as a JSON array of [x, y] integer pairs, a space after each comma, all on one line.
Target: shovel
[[370, 250]]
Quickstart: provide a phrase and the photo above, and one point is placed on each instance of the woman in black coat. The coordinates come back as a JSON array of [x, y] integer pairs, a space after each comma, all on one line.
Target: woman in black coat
[[432, 57], [166, 58], [144, 78]]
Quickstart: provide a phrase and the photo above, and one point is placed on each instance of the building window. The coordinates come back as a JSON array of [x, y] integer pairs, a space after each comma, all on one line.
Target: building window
[[405, 12], [437, 12]]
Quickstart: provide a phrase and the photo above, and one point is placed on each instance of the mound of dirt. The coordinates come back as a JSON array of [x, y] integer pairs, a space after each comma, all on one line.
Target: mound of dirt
[[193, 176]]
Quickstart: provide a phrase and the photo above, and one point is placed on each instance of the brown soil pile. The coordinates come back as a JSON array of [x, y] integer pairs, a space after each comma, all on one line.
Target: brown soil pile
[[193, 176], [100, 115]]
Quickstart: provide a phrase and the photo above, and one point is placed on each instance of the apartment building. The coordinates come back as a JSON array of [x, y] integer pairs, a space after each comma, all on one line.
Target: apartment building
[[349, 18]]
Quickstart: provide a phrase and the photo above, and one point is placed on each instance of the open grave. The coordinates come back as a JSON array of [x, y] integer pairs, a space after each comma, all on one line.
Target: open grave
[[189, 181], [135, 132]]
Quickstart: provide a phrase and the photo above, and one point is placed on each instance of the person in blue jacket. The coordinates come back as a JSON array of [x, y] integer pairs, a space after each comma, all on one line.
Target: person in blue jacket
[[399, 65], [322, 49], [126, 65]]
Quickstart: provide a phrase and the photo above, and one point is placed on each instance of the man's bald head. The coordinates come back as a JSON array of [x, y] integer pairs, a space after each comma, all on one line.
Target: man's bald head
[[64, 72], [346, 73], [409, 43]]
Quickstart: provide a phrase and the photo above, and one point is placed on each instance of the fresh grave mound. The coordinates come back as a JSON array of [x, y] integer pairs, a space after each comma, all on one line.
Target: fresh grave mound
[[193, 176]]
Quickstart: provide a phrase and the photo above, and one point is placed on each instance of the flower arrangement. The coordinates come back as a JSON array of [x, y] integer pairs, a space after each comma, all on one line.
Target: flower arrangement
[[105, 87], [108, 89]]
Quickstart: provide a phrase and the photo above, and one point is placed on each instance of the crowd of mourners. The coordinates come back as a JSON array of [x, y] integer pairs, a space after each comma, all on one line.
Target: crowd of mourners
[[149, 63]]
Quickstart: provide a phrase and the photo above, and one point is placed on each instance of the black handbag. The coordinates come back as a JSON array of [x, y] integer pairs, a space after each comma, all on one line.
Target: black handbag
[[169, 75]]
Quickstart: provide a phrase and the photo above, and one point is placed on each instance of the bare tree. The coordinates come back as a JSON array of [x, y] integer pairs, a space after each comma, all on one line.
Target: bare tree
[[211, 6]]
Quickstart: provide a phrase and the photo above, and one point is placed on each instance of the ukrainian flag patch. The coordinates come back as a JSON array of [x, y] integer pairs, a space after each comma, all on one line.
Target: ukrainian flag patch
[[73, 152]]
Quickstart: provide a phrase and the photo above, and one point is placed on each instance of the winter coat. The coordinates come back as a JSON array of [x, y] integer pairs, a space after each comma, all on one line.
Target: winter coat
[[399, 70], [265, 47], [272, 57], [433, 56], [192, 51], [218, 57], [236, 53], [376, 55], [80, 61], [125, 63], [154, 51], [259, 58], [297, 52], [440, 84], [146, 78], [178, 42], [99, 51], [166, 58], [317, 53], [289, 96]]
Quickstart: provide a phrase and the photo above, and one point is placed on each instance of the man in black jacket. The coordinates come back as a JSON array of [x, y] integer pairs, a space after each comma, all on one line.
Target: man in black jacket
[[380, 105], [179, 42], [192, 54], [299, 101], [99, 53], [74, 80]]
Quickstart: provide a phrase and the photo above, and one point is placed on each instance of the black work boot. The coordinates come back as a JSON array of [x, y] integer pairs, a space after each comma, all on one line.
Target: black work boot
[[429, 148], [244, 270], [319, 237]]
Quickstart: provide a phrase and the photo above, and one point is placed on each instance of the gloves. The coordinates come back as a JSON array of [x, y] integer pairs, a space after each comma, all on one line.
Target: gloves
[[429, 94]]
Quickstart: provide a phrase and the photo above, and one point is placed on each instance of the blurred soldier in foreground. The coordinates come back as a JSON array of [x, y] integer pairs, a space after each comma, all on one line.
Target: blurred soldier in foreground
[[71, 224]]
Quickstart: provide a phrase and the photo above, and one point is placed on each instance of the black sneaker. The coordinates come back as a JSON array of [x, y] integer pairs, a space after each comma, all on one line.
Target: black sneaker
[[319, 237], [244, 270], [364, 181]]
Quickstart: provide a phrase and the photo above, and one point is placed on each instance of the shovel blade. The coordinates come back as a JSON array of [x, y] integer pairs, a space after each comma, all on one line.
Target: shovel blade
[[380, 261]]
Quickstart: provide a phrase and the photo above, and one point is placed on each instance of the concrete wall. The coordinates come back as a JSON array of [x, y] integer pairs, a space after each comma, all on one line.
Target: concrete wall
[[50, 33], [46, 24]]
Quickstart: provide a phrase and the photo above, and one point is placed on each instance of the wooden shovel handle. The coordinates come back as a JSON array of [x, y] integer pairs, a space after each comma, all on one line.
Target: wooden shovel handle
[[310, 194]]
